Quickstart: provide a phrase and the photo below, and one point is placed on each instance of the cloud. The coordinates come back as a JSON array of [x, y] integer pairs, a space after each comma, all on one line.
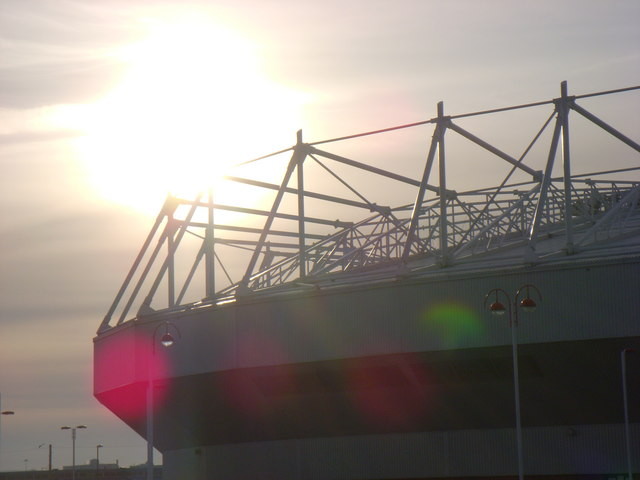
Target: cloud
[[42, 26], [70, 264], [38, 136], [51, 83], [60, 51]]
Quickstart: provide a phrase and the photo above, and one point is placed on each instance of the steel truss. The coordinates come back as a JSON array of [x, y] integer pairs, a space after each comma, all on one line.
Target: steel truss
[[286, 250]]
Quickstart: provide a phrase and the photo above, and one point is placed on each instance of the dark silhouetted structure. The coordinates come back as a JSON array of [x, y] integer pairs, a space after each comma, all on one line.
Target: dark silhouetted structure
[[333, 324]]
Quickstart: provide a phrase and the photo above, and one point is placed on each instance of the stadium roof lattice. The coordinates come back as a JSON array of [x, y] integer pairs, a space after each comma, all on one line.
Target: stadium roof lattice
[[393, 225]]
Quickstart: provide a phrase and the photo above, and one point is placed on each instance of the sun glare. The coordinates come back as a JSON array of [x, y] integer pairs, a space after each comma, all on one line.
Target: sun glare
[[194, 101]]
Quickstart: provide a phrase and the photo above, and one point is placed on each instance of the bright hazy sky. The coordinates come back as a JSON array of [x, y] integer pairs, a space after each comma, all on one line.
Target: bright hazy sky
[[107, 105]]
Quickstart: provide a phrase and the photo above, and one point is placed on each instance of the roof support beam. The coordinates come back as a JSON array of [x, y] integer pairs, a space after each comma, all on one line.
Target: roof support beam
[[499, 153], [174, 232], [606, 127], [286, 216], [417, 206], [546, 181], [369, 168], [306, 193], [299, 153], [167, 209]]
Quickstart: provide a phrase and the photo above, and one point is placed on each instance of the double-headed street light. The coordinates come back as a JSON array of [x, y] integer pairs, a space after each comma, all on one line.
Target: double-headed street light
[[527, 304], [166, 340], [73, 448]]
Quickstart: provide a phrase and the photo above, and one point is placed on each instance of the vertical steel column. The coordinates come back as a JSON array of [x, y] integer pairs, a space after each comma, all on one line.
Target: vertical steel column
[[209, 252], [563, 113], [301, 232], [171, 273], [443, 185]]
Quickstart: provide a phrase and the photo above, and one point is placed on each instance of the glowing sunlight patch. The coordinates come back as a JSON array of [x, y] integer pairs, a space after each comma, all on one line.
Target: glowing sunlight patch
[[194, 101]]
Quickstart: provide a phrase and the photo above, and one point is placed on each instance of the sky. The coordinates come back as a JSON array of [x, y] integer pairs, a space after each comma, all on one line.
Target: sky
[[105, 106]]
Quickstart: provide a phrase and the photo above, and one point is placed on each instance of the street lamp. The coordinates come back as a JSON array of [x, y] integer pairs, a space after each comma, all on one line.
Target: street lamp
[[73, 448], [627, 435], [166, 340], [98, 447], [3, 413], [527, 304]]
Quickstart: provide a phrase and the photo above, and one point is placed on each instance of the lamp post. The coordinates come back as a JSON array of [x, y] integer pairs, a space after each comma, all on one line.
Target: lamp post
[[2, 414], [98, 447], [625, 400], [166, 340], [50, 453], [527, 304], [73, 446]]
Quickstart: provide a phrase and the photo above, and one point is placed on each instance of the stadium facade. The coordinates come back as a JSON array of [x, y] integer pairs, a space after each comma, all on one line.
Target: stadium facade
[[363, 347]]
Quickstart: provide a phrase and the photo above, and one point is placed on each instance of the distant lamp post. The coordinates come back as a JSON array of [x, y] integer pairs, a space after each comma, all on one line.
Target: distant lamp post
[[527, 304], [2, 414], [625, 400], [50, 452], [73, 446], [98, 447], [166, 340]]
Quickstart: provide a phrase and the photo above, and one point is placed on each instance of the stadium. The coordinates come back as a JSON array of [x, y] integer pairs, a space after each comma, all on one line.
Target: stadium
[[329, 310]]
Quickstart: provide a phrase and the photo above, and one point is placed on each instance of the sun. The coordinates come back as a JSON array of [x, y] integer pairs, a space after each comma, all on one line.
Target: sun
[[194, 100]]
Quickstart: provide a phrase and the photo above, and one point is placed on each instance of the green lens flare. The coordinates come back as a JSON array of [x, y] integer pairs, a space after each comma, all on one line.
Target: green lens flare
[[456, 325]]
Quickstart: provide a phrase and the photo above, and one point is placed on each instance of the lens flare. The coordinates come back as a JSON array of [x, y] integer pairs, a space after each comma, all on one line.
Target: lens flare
[[455, 325], [394, 396], [133, 360]]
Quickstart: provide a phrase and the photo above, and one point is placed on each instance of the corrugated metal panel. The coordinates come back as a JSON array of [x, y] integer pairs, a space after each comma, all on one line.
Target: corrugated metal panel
[[587, 449], [582, 303]]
